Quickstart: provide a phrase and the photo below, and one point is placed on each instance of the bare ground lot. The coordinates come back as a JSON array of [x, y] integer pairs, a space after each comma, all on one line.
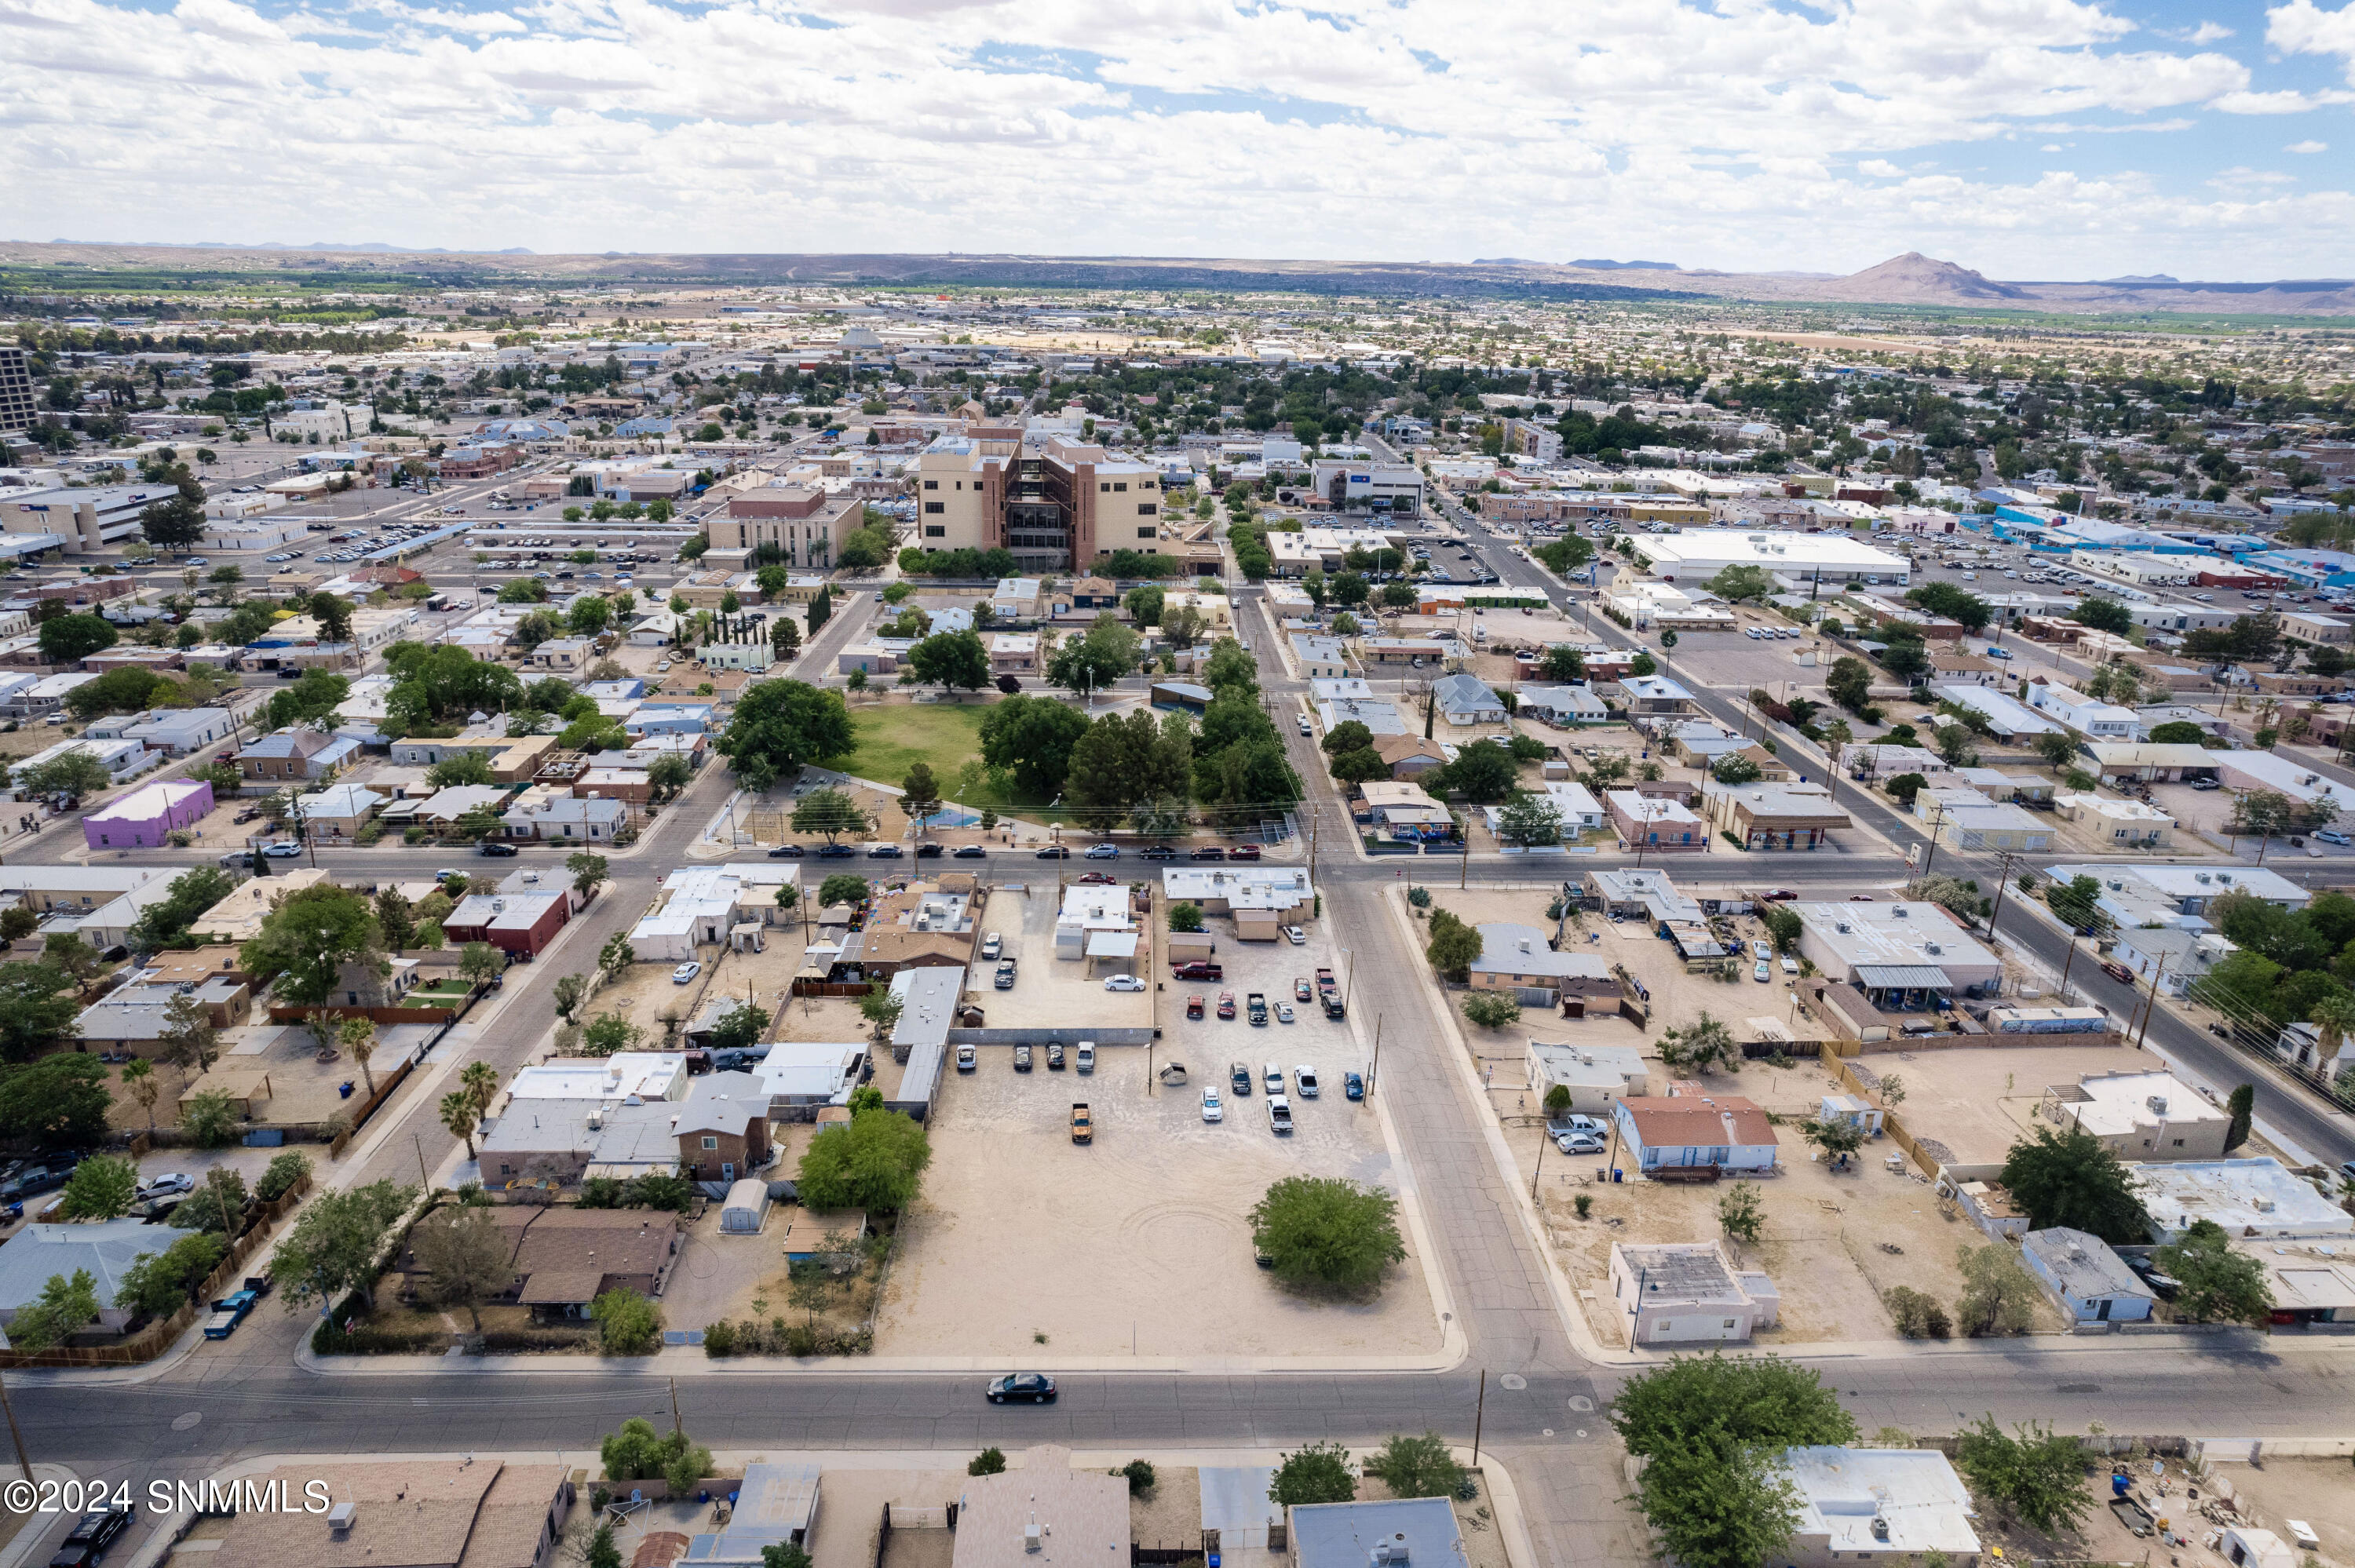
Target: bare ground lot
[[2320, 1492], [1023, 1238]]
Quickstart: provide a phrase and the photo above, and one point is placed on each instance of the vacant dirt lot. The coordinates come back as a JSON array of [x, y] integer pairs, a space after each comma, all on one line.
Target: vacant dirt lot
[[1825, 1235], [1023, 1237]]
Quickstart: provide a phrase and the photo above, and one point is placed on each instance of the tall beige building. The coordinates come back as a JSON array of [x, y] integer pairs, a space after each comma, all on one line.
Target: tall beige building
[[808, 525], [1057, 504]]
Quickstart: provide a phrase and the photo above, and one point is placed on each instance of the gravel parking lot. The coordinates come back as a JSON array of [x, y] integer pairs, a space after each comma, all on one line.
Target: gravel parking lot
[[1023, 1238]]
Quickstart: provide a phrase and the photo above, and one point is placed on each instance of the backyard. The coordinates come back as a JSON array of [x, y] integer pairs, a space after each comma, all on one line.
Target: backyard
[[893, 736]]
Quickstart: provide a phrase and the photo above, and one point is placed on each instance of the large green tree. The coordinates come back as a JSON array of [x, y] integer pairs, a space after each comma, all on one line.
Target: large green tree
[[1031, 740], [1327, 1233], [333, 1247], [875, 1161], [2069, 1177], [37, 1009], [950, 660], [2218, 1285], [70, 639], [307, 939], [784, 725], [1088, 664]]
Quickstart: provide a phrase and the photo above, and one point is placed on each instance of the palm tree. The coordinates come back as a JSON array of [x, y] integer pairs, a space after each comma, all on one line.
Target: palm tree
[[358, 1037], [481, 1082], [459, 1116], [2334, 1019]]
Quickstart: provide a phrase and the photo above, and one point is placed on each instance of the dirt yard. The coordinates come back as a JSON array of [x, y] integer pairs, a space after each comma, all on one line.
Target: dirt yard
[[2320, 1492], [1827, 1233], [1023, 1238]]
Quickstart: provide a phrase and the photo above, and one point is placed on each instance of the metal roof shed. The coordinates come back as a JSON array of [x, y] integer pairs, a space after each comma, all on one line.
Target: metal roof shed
[[747, 1206]]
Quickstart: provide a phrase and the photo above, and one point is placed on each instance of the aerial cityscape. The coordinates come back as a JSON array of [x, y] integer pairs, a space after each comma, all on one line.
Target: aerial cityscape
[[1690, 907]]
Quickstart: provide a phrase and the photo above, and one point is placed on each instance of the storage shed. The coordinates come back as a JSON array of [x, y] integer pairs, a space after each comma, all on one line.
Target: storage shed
[[748, 1205]]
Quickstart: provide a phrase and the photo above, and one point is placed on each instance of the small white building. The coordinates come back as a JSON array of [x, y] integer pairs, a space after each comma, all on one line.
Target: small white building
[[2249, 1198], [1596, 1076], [2140, 1116], [1687, 1293], [1873, 1505]]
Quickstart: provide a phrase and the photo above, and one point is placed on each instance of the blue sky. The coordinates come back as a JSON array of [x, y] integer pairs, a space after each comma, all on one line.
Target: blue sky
[[2025, 138]]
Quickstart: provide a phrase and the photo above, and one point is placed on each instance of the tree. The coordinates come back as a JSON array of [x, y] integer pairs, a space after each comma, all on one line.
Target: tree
[[332, 1248], [739, 1028], [1839, 1138], [466, 1258], [157, 1284], [101, 1188], [68, 1305], [951, 659], [2069, 1177], [209, 1118], [602, 1552], [166, 922], [284, 1172], [58, 1102], [34, 1018], [1999, 1295], [2241, 1105], [874, 1162], [461, 1115], [357, 1036], [460, 767], [1713, 1431], [2104, 615], [1031, 739], [920, 793], [1086, 664], [2218, 1285], [588, 868], [334, 616], [139, 1083], [1491, 1009], [784, 725], [308, 937], [2058, 751], [1229, 669], [478, 962], [1315, 1473], [1849, 680], [1185, 916], [67, 953], [1327, 1233], [1530, 819], [1182, 628], [1741, 582], [1454, 947], [627, 1324], [175, 522], [2038, 1477], [70, 639], [1739, 1214], [77, 773], [842, 887], [831, 812], [524, 590], [1702, 1046], [1735, 768], [1422, 1466], [989, 1462], [1483, 772], [311, 700]]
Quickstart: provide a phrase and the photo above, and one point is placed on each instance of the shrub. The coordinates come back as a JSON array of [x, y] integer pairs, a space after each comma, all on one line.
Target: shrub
[[989, 1462], [1140, 1476], [720, 1339], [1327, 1232], [1917, 1316], [284, 1171], [627, 1323], [1491, 1009]]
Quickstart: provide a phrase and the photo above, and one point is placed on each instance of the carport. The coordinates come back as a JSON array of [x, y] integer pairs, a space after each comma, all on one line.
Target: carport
[[1111, 953]]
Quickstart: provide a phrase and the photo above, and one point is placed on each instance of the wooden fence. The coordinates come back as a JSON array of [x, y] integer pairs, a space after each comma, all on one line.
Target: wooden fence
[[158, 1337], [290, 1013], [1866, 1084]]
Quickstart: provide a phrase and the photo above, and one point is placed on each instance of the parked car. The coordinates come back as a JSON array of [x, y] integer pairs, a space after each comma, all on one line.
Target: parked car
[[1097, 879], [1159, 852], [1353, 1085], [1034, 1388], [1054, 852], [836, 852], [1124, 982], [159, 1186], [1284, 1013], [491, 849], [1272, 1077], [787, 852], [1305, 1078], [1103, 852], [1243, 852], [1578, 1143], [1005, 977], [1209, 852], [281, 849], [2333, 836], [1193, 1007], [86, 1544], [1054, 1056], [1226, 1004], [1239, 1076], [1296, 935], [1198, 969], [1777, 895], [1761, 971], [1212, 1109], [1022, 1058], [1300, 991], [686, 972], [1279, 1116], [2117, 972], [930, 850], [971, 851], [1306, 728], [991, 946], [1083, 1056], [883, 852]]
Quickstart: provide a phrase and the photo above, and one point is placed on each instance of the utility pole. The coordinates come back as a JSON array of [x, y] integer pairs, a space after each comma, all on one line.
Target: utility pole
[[1374, 1068], [2001, 881], [1479, 1414], [22, 1461]]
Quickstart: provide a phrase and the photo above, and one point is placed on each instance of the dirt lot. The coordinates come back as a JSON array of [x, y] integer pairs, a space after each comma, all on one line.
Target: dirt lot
[[1052, 992], [1023, 1238], [1979, 1101], [2321, 1493], [302, 1088], [744, 1278], [646, 994], [1824, 1236]]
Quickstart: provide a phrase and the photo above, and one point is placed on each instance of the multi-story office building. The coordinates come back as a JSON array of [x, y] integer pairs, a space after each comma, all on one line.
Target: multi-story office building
[[808, 525], [1056, 502], [18, 406]]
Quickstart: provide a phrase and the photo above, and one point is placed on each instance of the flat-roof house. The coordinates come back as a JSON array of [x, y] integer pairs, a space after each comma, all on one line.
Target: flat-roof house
[[776, 1505], [1683, 1133], [2085, 1278], [1975, 822], [579, 818], [2121, 822], [2140, 1116], [2182, 889], [1595, 1076], [1009, 1520], [1661, 826], [511, 922], [1563, 705], [2253, 1199], [148, 815], [1872, 1505], [1687, 1293], [1320, 658], [1774, 816], [723, 1127], [1846, 939], [1521, 958], [2089, 716], [1423, 1532], [1655, 695]]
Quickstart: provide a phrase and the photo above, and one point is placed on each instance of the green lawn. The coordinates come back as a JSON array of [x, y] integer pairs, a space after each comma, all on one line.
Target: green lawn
[[943, 736]]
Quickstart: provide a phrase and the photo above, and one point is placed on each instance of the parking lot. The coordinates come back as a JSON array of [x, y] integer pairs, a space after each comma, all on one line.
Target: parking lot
[[1050, 993], [1023, 1239]]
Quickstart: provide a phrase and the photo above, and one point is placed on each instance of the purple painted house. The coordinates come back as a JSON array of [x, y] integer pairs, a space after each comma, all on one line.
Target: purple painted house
[[142, 819]]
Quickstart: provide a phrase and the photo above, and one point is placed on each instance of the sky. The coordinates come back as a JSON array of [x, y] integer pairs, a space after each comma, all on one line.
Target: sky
[[2028, 139]]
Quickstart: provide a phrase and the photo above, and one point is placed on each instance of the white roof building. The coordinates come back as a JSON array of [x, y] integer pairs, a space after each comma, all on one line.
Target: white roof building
[[1700, 554], [1842, 938], [1864, 1503], [624, 1075], [2249, 1198]]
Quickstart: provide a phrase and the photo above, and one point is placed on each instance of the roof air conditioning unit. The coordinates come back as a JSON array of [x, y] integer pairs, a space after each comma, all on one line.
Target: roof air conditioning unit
[[1898, 911], [2158, 1104], [1844, 927], [596, 1120], [2262, 1205], [1879, 1528], [340, 1519]]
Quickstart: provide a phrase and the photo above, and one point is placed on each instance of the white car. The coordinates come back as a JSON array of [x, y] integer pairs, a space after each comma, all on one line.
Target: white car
[[1212, 1109], [1296, 935], [158, 1186], [281, 849], [686, 972], [1761, 971], [1578, 1143], [1124, 982], [1284, 1013], [1304, 726]]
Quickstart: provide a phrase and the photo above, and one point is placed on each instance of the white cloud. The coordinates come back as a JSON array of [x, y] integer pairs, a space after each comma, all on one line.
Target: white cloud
[[1721, 135], [2308, 147], [2207, 33], [2303, 27], [2278, 102]]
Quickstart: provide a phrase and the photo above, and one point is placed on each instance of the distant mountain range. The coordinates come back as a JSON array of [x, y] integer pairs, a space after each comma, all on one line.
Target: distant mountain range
[[1912, 279]]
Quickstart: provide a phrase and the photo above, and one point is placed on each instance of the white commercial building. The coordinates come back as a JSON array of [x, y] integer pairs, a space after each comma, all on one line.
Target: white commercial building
[[2249, 1198], [1687, 1293], [1844, 939], [1700, 554]]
